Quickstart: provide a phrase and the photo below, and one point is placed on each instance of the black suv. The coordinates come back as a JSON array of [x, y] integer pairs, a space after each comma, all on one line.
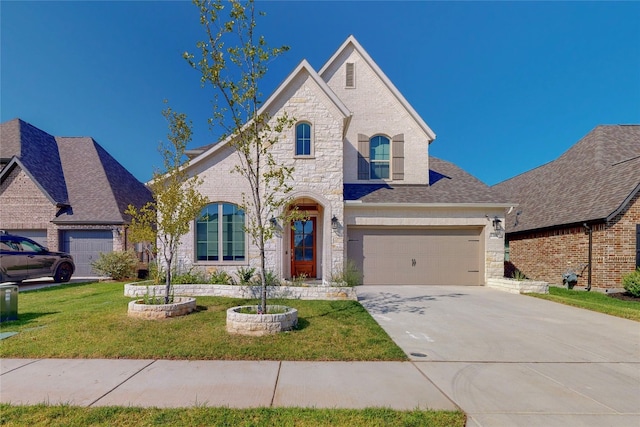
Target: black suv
[[22, 259]]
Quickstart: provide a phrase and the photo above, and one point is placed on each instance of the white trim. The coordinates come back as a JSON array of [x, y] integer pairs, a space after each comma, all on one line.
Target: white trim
[[360, 204], [351, 40]]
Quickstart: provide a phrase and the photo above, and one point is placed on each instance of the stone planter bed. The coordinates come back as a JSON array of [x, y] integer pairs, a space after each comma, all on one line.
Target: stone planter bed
[[139, 289], [180, 307], [284, 319]]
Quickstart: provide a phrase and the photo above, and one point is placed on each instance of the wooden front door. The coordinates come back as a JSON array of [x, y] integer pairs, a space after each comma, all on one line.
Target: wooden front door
[[303, 248]]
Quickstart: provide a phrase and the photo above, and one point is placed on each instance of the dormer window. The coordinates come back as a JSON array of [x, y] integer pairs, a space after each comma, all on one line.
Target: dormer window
[[304, 146], [350, 80], [379, 157]]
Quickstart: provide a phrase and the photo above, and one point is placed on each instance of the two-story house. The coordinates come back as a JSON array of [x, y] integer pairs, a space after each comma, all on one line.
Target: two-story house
[[364, 176]]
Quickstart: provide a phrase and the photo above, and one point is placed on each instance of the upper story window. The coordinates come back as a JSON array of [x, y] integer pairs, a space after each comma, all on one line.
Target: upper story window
[[379, 157], [220, 233], [303, 139]]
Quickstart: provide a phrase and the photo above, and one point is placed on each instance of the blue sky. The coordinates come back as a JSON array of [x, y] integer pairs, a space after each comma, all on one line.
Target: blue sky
[[506, 86]]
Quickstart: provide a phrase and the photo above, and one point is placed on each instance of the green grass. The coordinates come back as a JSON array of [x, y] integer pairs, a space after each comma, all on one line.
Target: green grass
[[593, 301], [68, 416], [90, 321]]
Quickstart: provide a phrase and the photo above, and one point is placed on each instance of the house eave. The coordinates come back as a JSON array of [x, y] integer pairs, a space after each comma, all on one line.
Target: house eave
[[360, 204]]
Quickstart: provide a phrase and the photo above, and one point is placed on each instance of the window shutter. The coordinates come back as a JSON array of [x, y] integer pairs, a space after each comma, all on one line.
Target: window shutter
[[350, 75], [363, 156], [397, 150]]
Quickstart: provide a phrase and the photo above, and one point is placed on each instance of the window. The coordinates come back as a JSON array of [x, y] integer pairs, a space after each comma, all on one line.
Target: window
[[220, 233], [303, 139], [379, 157]]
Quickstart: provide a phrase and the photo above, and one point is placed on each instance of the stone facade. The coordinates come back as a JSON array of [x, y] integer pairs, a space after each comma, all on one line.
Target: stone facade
[[337, 115], [546, 255], [134, 290]]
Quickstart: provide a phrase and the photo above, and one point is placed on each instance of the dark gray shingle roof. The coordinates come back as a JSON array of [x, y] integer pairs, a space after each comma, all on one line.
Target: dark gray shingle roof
[[100, 188], [448, 184], [589, 182], [37, 152], [76, 172]]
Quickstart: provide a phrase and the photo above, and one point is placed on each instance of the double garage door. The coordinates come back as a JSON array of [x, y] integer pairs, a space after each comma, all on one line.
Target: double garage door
[[418, 256]]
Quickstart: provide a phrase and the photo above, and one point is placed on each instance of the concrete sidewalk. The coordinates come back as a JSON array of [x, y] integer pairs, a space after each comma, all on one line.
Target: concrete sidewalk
[[235, 384]]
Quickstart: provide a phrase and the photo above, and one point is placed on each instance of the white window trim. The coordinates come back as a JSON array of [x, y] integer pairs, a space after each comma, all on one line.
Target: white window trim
[[220, 261], [312, 140]]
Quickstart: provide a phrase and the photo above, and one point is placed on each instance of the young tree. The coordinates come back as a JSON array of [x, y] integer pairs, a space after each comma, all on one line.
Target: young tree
[[232, 60], [176, 200]]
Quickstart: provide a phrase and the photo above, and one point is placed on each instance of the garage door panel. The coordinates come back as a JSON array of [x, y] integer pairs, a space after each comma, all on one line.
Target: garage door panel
[[417, 256], [39, 236], [85, 246]]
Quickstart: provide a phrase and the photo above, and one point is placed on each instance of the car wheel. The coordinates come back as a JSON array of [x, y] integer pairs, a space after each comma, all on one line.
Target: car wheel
[[63, 273]]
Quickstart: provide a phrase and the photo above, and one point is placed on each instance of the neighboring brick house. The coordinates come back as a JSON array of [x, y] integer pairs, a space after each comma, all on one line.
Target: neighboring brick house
[[68, 194], [593, 187], [364, 176]]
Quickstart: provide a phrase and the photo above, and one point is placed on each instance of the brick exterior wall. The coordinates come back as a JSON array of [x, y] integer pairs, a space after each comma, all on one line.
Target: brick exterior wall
[[546, 255], [23, 206]]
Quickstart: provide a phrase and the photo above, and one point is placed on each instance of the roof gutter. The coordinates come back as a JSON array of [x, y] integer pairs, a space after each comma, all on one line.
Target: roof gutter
[[624, 203]]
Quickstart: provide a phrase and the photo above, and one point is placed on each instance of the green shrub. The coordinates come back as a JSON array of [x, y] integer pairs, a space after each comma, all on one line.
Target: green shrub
[[117, 264], [631, 283], [189, 277], [220, 277], [349, 275], [271, 278], [245, 275]]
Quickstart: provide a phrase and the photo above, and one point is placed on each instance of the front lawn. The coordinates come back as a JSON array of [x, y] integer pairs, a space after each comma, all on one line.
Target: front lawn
[[594, 301], [90, 320], [52, 416]]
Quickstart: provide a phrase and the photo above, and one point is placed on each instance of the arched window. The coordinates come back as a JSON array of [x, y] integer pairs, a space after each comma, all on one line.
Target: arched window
[[303, 139], [220, 233], [379, 157]]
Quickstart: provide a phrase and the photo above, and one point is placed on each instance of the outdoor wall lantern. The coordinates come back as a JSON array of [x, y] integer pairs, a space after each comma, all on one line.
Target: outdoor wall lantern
[[334, 223], [496, 223], [274, 222]]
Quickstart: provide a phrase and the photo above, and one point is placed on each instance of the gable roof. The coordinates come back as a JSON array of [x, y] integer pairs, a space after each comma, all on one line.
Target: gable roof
[[352, 42], [200, 153], [591, 182], [448, 184], [36, 153], [77, 174]]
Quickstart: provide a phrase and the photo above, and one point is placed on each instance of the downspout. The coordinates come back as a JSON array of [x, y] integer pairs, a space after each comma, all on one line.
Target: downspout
[[590, 233]]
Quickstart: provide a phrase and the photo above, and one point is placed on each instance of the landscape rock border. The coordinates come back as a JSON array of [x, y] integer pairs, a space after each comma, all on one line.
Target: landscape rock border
[[181, 306], [261, 324], [323, 292]]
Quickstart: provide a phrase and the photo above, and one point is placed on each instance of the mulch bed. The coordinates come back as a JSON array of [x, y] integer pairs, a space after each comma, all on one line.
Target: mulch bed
[[625, 296]]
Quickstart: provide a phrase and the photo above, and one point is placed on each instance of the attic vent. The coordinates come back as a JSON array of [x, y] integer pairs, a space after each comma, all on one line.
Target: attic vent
[[350, 79]]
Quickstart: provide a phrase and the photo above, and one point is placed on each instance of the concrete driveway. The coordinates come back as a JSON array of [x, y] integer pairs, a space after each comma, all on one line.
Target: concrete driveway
[[514, 360]]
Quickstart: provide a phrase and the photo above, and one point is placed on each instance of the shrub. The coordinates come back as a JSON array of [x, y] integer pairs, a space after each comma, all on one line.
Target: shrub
[[245, 275], [349, 275], [271, 278], [189, 277], [631, 283], [117, 264], [220, 278]]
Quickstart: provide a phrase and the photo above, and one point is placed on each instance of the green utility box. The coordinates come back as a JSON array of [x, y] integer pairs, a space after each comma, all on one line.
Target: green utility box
[[8, 302]]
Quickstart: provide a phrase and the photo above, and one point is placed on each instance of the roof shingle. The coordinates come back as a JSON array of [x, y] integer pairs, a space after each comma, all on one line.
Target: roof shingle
[[589, 182]]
